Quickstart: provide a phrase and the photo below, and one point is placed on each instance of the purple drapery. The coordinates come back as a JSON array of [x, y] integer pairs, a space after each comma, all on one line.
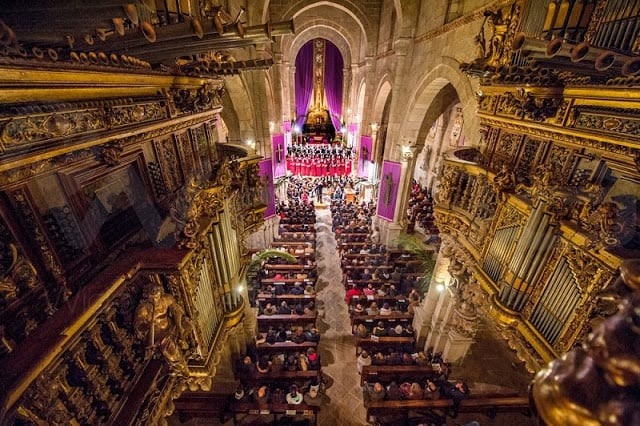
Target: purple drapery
[[268, 195], [333, 65], [304, 81]]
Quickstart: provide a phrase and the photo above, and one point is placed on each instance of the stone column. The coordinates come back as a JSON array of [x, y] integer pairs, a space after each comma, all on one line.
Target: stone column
[[292, 92], [456, 346], [422, 319], [346, 86], [439, 322]]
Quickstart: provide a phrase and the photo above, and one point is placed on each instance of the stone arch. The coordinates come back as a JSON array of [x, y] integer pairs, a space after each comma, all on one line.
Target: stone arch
[[356, 10], [426, 102], [319, 29], [380, 98], [238, 112]]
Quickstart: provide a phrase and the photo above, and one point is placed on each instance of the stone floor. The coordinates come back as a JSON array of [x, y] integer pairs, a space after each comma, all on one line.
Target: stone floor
[[489, 366]]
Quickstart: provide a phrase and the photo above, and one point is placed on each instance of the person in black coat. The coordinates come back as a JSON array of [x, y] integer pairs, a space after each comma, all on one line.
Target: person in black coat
[[457, 391]]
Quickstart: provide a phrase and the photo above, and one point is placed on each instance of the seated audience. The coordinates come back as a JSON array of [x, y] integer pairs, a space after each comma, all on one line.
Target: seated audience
[[385, 310], [431, 390], [379, 330], [261, 396], [373, 309], [375, 392], [313, 396], [393, 392], [313, 359], [457, 391]]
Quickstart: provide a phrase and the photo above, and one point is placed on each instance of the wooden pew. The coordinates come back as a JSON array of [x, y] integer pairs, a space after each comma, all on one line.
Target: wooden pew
[[293, 243], [295, 298], [365, 256], [346, 244], [489, 405], [303, 281], [276, 410], [297, 227], [380, 300], [399, 373], [370, 267], [288, 267], [291, 319], [298, 252], [301, 236], [210, 405], [291, 377], [395, 318], [286, 347], [382, 342]]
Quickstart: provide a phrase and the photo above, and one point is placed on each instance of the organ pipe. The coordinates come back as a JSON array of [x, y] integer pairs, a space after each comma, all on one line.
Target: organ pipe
[[541, 253], [534, 245], [525, 240]]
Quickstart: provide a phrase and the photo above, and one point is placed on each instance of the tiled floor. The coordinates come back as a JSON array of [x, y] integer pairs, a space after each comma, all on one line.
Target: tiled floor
[[489, 365], [345, 405]]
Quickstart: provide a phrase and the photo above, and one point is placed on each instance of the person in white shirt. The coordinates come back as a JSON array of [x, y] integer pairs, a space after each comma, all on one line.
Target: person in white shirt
[[294, 397], [363, 360]]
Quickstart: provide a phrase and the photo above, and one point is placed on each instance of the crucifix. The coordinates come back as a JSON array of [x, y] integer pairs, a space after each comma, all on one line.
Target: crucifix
[[279, 153], [365, 153], [388, 190]]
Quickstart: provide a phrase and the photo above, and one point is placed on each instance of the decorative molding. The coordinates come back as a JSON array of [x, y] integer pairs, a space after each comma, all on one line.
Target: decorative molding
[[524, 104], [462, 21], [18, 174], [562, 137], [206, 97], [609, 120], [35, 129]]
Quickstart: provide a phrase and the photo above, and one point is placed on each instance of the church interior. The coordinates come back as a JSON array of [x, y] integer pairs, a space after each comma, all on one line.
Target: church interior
[[341, 212]]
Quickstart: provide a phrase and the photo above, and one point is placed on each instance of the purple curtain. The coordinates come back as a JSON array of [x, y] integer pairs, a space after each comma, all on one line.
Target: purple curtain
[[304, 81], [268, 195], [333, 82]]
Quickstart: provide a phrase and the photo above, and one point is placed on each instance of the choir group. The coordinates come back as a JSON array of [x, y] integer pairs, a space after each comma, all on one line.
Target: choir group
[[319, 160]]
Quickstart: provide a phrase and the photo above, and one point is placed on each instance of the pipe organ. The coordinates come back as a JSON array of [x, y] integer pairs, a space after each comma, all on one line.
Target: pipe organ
[[497, 254], [561, 166], [120, 230], [557, 302]]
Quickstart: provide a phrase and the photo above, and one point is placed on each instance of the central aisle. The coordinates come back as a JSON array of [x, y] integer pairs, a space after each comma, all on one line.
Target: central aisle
[[345, 405]]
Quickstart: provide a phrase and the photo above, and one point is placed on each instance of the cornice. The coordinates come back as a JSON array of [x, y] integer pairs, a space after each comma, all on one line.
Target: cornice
[[464, 20]]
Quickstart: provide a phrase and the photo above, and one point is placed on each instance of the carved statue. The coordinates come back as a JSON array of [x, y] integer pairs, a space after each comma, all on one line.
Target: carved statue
[[598, 383], [389, 189], [160, 320], [504, 181], [183, 216], [542, 182]]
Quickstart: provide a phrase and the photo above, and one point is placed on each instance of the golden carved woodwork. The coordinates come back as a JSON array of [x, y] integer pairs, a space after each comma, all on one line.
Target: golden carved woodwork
[[13, 172], [161, 323], [597, 384], [524, 104], [201, 99]]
